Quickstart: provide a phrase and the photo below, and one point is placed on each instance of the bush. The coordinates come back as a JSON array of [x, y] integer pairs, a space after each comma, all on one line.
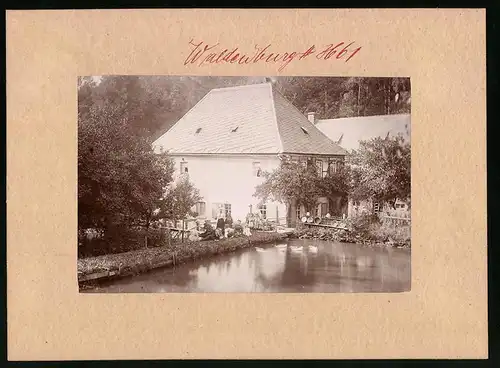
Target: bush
[[399, 235], [119, 239], [363, 223]]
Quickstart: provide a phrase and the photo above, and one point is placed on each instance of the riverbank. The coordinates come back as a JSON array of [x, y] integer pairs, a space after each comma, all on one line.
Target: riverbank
[[94, 269], [377, 236]]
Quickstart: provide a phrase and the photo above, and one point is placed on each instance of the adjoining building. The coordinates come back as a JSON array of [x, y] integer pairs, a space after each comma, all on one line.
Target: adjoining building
[[348, 132]]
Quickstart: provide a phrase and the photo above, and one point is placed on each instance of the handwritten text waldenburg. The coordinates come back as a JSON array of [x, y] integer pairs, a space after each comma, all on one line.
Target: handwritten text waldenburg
[[203, 53]]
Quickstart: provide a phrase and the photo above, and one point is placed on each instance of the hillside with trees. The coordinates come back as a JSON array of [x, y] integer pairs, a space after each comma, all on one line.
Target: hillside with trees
[[155, 103]]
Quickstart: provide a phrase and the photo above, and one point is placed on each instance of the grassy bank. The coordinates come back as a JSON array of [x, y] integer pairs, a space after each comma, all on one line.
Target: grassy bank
[[370, 234], [143, 260], [120, 240]]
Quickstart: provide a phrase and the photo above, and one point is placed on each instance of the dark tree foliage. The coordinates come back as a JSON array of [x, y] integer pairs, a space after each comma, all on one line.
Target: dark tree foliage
[[335, 97], [121, 181]]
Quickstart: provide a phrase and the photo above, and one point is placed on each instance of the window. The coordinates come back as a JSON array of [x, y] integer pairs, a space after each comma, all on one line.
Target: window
[[198, 130], [298, 212], [234, 129], [263, 211], [201, 209], [324, 172], [257, 171], [335, 166], [221, 210], [184, 167], [227, 209], [304, 130], [376, 207], [319, 166]]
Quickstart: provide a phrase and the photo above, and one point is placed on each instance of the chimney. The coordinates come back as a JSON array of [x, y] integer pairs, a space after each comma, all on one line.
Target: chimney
[[270, 80], [310, 117]]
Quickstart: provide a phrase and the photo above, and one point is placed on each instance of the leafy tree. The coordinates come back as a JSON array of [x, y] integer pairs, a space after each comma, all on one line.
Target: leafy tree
[[120, 178], [179, 200], [291, 181], [381, 170]]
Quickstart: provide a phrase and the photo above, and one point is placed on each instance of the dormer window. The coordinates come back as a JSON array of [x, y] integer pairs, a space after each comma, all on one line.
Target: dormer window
[[234, 129], [304, 130], [198, 130]]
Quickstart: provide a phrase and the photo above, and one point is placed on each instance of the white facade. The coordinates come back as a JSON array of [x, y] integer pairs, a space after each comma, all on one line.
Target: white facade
[[228, 182]]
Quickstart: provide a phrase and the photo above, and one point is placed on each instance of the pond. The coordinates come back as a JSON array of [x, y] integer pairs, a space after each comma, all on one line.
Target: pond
[[295, 265]]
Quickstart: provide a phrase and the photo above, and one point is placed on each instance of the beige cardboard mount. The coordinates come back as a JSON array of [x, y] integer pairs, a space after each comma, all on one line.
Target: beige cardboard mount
[[444, 315]]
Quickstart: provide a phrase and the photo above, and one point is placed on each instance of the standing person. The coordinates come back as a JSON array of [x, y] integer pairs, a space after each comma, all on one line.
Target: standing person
[[229, 220], [221, 225]]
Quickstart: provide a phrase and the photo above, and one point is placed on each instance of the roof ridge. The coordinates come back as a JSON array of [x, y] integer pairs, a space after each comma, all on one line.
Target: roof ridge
[[241, 86], [275, 117], [367, 116]]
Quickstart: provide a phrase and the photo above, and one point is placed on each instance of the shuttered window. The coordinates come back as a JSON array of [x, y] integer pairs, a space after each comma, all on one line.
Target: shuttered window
[[263, 211]]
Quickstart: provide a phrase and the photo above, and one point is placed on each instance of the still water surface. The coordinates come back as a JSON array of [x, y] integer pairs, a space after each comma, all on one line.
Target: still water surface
[[280, 267]]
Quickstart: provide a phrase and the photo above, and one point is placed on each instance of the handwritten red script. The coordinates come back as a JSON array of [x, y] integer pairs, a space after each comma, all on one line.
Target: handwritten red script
[[203, 53]]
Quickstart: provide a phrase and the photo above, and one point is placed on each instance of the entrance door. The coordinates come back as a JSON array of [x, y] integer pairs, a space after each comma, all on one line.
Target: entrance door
[[324, 209]]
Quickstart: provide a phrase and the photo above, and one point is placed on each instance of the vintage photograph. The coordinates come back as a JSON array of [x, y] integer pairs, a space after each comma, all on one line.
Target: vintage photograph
[[269, 184]]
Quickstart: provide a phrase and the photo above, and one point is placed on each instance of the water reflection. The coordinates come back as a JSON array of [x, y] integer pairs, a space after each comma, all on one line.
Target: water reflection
[[335, 267]]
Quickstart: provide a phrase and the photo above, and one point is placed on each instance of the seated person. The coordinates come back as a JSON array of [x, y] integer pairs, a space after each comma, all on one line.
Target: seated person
[[238, 228], [219, 233], [246, 231], [228, 232], [194, 235], [208, 233]]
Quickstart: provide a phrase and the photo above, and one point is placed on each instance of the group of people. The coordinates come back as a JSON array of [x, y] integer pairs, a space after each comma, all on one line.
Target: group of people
[[224, 228]]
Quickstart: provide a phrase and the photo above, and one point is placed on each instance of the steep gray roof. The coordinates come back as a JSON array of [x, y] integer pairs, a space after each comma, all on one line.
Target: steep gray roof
[[250, 119], [352, 130]]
